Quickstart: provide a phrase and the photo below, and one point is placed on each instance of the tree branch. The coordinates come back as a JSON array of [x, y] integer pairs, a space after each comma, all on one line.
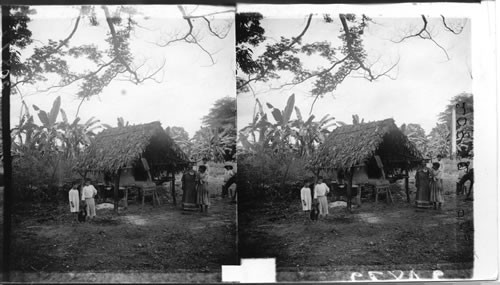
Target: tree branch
[[450, 29], [79, 105], [61, 44], [314, 74], [419, 34], [189, 32], [220, 36], [95, 72], [116, 45], [294, 40], [190, 37], [426, 35], [75, 27], [319, 95], [135, 77], [210, 14], [352, 53]]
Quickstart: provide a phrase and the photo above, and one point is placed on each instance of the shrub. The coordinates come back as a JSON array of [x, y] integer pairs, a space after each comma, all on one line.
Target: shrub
[[264, 177], [37, 178]]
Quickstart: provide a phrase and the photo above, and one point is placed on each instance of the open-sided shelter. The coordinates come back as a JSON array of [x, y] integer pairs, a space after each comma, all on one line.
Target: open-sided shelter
[[131, 154], [380, 147]]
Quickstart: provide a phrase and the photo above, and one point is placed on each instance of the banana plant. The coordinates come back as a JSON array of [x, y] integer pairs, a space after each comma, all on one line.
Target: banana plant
[[286, 135], [309, 133], [120, 123], [212, 144], [48, 137], [76, 136]]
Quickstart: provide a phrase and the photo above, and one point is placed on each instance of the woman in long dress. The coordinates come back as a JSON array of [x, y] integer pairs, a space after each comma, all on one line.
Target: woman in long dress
[[436, 186], [202, 189], [189, 182], [422, 182]]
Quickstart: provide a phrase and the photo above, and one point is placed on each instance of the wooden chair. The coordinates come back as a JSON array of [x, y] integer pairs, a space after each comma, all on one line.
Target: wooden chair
[[384, 185], [383, 188], [151, 188], [151, 191]]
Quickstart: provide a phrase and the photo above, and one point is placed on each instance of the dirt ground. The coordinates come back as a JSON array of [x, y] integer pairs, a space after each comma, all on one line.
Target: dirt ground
[[376, 236], [48, 244]]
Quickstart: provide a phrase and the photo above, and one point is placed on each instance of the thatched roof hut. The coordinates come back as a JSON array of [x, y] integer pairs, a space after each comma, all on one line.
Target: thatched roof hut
[[120, 147], [352, 145]]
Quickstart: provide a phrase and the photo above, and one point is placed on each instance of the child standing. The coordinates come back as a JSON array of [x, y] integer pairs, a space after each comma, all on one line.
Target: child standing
[[74, 201], [202, 189], [305, 196], [436, 186]]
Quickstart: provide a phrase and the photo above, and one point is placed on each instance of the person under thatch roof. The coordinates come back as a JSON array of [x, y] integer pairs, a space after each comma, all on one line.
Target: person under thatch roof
[[115, 148], [372, 144], [351, 145]]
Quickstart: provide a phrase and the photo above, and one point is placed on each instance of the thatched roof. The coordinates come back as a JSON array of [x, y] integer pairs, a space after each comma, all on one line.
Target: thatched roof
[[351, 145], [115, 148]]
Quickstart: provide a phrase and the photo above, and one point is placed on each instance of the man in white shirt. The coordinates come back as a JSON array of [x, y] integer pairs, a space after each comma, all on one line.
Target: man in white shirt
[[88, 194], [320, 192]]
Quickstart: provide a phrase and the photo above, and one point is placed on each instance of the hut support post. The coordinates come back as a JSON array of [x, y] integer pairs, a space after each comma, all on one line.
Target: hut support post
[[117, 186], [125, 206], [348, 176], [407, 189], [173, 189]]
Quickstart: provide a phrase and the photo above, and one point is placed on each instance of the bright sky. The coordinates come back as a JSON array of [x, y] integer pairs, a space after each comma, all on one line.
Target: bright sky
[[425, 79], [190, 83]]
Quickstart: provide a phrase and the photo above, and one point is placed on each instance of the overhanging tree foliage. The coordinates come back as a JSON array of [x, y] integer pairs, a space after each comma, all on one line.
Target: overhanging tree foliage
[[116, 61], [286, 56]]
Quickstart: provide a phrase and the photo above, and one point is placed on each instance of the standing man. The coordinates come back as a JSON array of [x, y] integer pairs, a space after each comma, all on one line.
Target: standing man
[[320, 192], [88, 194]]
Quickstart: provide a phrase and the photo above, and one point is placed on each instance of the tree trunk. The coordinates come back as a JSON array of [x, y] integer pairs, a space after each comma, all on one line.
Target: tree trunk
[[173, 189], [116, 188], [125, 199], [407, 189], [453, 134], [6, 146]]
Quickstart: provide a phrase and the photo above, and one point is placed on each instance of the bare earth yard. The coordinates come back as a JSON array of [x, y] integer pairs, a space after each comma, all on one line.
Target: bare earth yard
[[377, 236], [142, 243]]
